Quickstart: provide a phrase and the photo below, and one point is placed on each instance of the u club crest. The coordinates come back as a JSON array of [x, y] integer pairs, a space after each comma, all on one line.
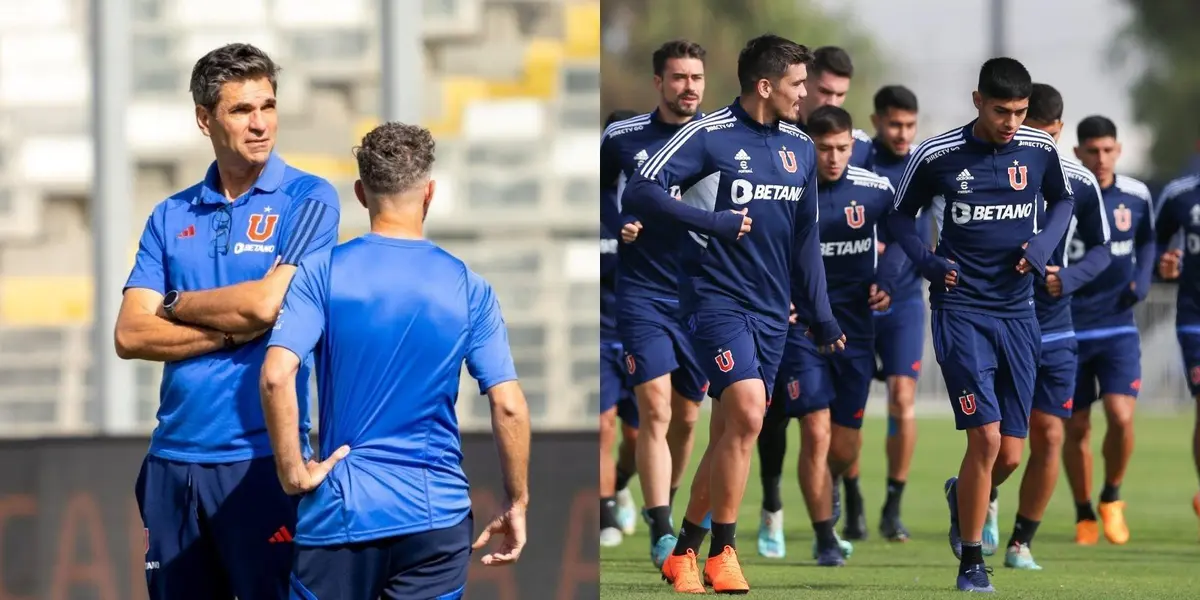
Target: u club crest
[[855, 215], [788, 158]]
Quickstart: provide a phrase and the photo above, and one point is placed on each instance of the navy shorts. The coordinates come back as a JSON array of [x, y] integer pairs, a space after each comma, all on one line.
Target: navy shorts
[[1109, 365], [989, 365], [1054, 391], [810, 381], [430, 565], [657, 343], [900, 338], [612, 377], [627, 410], [1189, 346], [216, 530], [734, 346]]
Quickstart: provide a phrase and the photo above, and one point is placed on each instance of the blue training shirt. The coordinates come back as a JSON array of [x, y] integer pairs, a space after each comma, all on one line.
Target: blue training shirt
[[768, 169], [1081, 255], [1179, 208], [209, 405], [987, 195], [391, 322], [610, 226], [1104, 307], [851, 208], [649, 267]]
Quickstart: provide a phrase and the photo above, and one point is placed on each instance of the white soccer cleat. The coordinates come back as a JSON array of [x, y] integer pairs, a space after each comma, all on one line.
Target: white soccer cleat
[[610, 537], [991, 528], [626, 512]]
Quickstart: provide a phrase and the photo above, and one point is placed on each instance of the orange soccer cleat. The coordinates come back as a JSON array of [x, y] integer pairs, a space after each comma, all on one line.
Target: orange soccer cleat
[[1087, 533], [725, 573], [1196, 504], [683, 573], [1112, 514]]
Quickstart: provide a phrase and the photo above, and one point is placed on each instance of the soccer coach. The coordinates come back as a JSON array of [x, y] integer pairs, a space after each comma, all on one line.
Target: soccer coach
[[391, 318], [212, 268]]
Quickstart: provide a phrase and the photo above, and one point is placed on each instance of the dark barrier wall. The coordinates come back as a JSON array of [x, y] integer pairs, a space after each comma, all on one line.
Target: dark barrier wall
[[69, 525]]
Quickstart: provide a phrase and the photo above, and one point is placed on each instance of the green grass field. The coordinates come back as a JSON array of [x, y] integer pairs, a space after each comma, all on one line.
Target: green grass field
[[1161, 560]]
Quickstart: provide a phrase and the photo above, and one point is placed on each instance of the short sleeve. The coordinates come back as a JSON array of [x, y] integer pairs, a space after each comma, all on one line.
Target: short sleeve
[[489, 359], [301, 321], [149, 271], [312, 225]]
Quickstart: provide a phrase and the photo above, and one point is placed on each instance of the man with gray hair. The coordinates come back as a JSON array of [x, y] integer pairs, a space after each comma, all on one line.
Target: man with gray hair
[[391, 318], [211, 271]]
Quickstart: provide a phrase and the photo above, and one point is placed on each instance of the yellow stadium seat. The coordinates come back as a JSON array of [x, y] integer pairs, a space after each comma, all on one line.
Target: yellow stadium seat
[[583, 30], [457, 92], [539, 76], [46, 301]]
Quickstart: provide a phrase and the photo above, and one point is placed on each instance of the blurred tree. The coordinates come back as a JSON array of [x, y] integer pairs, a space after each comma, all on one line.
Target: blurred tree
[[1166, 96], [633, 29]]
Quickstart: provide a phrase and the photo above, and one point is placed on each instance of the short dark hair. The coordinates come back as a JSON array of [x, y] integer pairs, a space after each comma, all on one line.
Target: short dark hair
[[676, 49], [619, 115], [1094, 127], [895, 96], [827, 120], [393, 157], [1004, 78], [769, 57], [832, 59], [1045, 104], [231, 62]]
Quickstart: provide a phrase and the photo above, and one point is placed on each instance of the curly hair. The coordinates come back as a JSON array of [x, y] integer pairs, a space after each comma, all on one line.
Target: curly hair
[[394, 157]]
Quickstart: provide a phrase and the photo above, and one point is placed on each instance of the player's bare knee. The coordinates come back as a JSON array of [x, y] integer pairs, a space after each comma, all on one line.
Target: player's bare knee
[[902, 397], [1079, 428], [1008, 459], [815, 431], [1119, 412], [984, 441], [684, 413], [1046, 435]]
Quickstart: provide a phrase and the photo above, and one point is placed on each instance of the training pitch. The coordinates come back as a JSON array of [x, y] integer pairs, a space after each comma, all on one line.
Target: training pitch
[[1160, 560]]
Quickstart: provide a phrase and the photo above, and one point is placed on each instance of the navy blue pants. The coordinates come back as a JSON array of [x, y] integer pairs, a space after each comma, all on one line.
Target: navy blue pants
[[216, 531], [430, 565]]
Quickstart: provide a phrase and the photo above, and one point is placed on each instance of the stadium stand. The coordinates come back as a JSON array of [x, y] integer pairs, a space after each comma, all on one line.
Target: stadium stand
[[516, 170]]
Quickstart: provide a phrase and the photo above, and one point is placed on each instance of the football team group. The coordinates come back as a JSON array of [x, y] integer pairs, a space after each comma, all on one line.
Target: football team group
[[771, 256]]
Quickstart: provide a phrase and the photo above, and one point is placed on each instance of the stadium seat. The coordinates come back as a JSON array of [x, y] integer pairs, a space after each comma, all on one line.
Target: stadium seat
[[582, 30]]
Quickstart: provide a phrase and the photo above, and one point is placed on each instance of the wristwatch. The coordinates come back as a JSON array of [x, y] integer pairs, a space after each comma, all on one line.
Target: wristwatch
[[229, 341], [170, 300]]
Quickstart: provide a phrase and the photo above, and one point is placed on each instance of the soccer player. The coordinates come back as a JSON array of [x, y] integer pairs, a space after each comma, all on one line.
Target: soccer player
[[393, 519], [828, 83], [613, 388], [1179, 209], [985, 331], [899, 330], [212, 267], [658, 356], [740, 282], [1079, 258], [819, 389], [1109, 344]]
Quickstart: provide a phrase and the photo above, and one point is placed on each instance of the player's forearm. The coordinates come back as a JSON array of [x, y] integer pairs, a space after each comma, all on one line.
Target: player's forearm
[[1058, 218], [902, 229], [646, 197], [239, 308], [148, 337], [510, 426], [1080, 273], [277, 387]]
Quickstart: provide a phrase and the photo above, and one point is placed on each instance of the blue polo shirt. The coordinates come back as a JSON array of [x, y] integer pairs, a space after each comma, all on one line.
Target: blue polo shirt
[[209, 406]]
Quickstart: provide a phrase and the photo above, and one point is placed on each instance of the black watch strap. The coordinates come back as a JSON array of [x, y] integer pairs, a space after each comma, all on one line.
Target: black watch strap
[[229, 342]]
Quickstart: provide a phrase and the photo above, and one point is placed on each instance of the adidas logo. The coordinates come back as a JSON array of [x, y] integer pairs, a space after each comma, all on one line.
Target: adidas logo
[[641, 155], [741, 155], [281, 537], [964, 176]]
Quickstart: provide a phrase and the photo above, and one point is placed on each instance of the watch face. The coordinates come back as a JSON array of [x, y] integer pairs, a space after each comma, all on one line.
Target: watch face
[[170, 298]]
